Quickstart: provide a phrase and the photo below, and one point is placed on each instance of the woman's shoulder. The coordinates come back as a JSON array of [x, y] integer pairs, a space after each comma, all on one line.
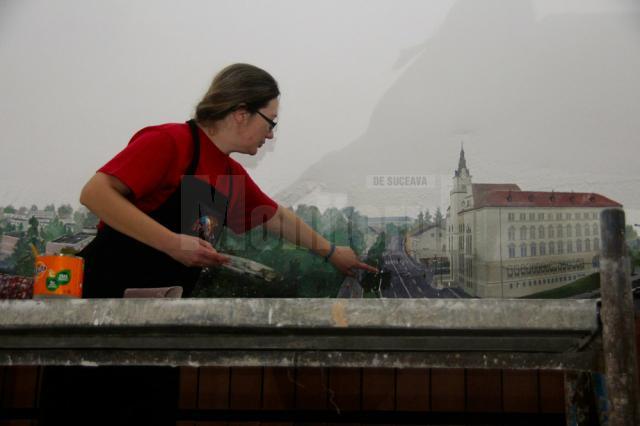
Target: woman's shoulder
[[175, 131]]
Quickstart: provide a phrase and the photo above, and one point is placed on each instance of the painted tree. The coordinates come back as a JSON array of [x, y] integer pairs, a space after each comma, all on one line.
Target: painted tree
[[53, 230], [65, 211], [439, 219], [22, 256], [420, 221], [428, 218]]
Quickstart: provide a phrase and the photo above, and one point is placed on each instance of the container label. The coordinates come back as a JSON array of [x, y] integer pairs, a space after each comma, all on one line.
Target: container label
[[56, 280]]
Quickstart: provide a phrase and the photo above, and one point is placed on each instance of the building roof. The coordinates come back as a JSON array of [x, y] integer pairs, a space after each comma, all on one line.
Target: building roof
[[482, 190], [509, 195]]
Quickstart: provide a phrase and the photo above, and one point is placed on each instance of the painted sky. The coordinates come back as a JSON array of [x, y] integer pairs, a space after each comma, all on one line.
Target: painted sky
[[80, 77]]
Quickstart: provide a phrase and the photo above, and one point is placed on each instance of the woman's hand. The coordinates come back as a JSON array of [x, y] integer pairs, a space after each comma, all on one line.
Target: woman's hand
[[194, 252], [346, 261]]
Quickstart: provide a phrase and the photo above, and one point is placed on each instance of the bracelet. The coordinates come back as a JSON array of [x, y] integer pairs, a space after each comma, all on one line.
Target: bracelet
[[331, 250]]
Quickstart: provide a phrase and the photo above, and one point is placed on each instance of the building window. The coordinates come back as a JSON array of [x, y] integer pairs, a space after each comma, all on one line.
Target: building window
[[523, 216], [523, 250], [540, 217], [585, 215], [559, 228], [551, 233], [511, 217], [596, 244], [532, 232], [534, 250], [512, 251], [461, 243], [568, 229], [587, 231], [549, 216], [578, 246], [532, 217], [594, 229], [540, 231], [468, 244], [567, 216], [512, 233], [587, 245], [578, 230], [569, 247], [560, 247], [543, 249], [523, 233]]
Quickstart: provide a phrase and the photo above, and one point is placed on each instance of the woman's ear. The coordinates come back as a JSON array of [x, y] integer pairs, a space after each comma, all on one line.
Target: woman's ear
[[240, 114]]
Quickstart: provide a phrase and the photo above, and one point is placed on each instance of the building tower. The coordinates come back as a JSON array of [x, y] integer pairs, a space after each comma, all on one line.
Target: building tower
[[460, 198]]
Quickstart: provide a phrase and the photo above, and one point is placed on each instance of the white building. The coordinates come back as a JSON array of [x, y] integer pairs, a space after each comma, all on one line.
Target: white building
[[505, 242], [428, 243]]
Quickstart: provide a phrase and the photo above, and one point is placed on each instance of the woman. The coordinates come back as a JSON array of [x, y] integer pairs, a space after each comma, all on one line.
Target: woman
[[164, 199], [163, 202]]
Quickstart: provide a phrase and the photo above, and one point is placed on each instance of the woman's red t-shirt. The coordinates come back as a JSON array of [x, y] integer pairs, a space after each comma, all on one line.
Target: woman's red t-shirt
[[157, 157]]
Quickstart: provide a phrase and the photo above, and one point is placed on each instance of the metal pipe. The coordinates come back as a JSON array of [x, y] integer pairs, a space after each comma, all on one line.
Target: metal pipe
[[618, 334]]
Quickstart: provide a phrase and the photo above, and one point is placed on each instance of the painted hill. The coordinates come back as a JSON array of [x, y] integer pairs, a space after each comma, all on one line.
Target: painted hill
[[548, 104]]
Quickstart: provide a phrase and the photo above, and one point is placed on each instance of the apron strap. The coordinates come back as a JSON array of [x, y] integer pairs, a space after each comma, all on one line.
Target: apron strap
[[191, 170]]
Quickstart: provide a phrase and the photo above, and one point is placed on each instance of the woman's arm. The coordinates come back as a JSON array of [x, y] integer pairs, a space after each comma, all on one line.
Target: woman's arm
[[105, 196], [296, 231]]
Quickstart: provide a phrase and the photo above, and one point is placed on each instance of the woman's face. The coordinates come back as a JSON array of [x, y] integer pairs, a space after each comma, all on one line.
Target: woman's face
[[255, 129]]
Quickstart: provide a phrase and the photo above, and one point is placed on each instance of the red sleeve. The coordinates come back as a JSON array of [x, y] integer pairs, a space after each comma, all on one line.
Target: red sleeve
[[145, 163], [250, 206]]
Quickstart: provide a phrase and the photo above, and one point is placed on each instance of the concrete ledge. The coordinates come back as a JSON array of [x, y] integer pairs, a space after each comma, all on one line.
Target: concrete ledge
[[309, 332], [433, 314]]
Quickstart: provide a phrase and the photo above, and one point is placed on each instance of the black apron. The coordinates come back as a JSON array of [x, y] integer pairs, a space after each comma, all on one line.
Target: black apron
[[115, 262]]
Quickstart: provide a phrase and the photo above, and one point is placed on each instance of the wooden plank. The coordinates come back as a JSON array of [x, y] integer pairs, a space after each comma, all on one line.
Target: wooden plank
[[245, 385], [484, 391], [551, 391], [378, 389], [20, 387], [2, 374], [281, 424], [345, 388], [311, 388], [210, 423], [278, 389], [520, 391], [412, 389], [213, 388], [638, 341], [447, 390], [188, 393]]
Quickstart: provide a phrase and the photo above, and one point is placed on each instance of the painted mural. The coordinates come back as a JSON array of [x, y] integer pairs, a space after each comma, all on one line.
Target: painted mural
[[481, 172]]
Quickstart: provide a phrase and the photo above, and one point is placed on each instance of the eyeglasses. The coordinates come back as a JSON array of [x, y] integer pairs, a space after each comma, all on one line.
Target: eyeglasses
[[272, 124]]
